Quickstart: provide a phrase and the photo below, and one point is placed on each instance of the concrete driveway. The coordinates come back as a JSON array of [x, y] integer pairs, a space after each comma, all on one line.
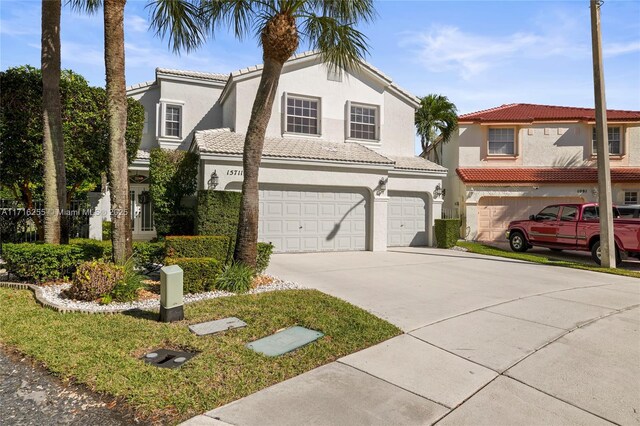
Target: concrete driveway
[[487, 341]]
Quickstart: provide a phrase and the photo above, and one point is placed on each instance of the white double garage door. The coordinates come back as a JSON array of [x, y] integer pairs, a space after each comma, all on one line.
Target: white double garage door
[[308, 219]]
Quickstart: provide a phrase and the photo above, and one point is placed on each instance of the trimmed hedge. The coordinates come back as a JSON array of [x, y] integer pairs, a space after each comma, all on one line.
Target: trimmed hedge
[[447, 232], [199, 274], [216, 247], [145, 254], [264, 257], [93, 249], [41, 262], [218, 213]]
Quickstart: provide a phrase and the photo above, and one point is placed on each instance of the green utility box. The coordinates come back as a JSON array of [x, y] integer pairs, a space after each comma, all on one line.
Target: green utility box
[[171, 298]]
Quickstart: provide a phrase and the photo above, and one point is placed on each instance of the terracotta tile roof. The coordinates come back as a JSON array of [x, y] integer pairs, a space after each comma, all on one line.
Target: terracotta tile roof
[[416, 164], [224, 141], [531, 112], [544, 175]]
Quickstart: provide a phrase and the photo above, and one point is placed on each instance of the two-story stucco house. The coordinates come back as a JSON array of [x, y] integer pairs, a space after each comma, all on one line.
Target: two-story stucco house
[[338, 172], [508, 162]]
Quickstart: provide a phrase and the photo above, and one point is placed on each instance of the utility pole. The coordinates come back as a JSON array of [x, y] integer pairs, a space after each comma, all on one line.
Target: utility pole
[[607, 243]]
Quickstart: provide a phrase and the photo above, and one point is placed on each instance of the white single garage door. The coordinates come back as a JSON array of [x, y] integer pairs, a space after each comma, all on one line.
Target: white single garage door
[[406, 220], [304, 219], [495, 213]]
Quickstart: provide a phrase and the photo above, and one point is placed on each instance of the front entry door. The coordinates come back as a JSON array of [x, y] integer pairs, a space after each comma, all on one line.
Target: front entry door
[[141, 212]]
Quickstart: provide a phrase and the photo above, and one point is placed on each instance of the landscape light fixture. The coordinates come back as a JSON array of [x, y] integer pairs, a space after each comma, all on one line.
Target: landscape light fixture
[[214, 180]]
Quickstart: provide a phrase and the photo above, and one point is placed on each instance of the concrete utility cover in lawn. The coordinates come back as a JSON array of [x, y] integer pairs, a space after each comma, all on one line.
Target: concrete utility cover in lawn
[[285, 341], [217, 326]]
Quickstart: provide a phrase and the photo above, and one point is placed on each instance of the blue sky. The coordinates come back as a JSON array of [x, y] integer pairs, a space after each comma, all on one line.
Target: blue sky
[[480, 54]]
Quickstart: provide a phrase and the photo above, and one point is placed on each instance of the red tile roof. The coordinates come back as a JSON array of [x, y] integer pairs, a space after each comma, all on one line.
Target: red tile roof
[[531, 112], [543, 175]]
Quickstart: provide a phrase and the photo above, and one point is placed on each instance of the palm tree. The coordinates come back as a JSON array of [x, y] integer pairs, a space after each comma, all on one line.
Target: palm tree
[[436, 118], [55, 183], [328, 26], [117, 113]]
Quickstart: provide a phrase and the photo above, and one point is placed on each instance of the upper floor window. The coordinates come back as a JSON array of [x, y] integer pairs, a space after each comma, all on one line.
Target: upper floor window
[[502, 141], [302, 115], [172, 120], [631, 197], [363, 122], [615, 140]]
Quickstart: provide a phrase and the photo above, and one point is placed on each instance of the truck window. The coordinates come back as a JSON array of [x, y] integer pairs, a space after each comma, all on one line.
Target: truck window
[[569, 213], [592, 213], [549, 213]]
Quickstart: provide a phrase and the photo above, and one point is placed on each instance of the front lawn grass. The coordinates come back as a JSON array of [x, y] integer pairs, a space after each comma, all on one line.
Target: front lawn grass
[[102, 351], [541, 258]]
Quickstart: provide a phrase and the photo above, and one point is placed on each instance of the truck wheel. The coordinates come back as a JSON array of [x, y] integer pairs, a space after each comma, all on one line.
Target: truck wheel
[[595, 254], [518, 242]]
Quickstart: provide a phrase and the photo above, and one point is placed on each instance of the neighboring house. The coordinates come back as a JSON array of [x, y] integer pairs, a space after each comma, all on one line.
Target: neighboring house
[[339, 170], [508, 162]]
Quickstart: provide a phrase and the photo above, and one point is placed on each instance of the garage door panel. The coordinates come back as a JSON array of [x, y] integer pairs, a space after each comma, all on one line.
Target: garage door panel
[[310, 220], [406, 220], [495, 213]]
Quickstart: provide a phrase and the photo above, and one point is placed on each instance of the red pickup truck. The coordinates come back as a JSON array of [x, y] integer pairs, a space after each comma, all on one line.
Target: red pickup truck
[[573, 227]]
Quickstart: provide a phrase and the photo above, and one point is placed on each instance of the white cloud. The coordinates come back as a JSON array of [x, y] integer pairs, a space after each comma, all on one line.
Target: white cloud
[[449, 49], [136, 24], [615, 49]]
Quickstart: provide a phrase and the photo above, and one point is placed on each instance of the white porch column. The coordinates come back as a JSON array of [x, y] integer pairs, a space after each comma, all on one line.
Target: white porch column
[[435, 213], [96, 200], [379, 224]]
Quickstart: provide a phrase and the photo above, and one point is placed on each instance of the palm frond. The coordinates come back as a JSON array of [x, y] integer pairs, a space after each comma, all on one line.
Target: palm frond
[[179, 21], [237, 15], [85, 6], [436, 117], [341, 45]]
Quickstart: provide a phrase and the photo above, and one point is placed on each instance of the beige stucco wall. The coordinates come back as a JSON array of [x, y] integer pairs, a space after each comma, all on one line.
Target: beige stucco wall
[[545, 145], [396, 116]]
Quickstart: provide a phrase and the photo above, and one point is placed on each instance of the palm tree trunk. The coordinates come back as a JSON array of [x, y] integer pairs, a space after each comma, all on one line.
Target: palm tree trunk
[[117, 113], [247, 236], [53, 143]]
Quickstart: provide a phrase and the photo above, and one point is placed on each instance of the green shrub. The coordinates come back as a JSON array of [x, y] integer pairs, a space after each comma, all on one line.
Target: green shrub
[[218, 213], [235, 277], [107, 229], [264, 257], [41, 262], [93, 249], [216, 247], [173, 176], [94, 280], [147, 254], [447, 232], [198, 274], [127, 288]]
